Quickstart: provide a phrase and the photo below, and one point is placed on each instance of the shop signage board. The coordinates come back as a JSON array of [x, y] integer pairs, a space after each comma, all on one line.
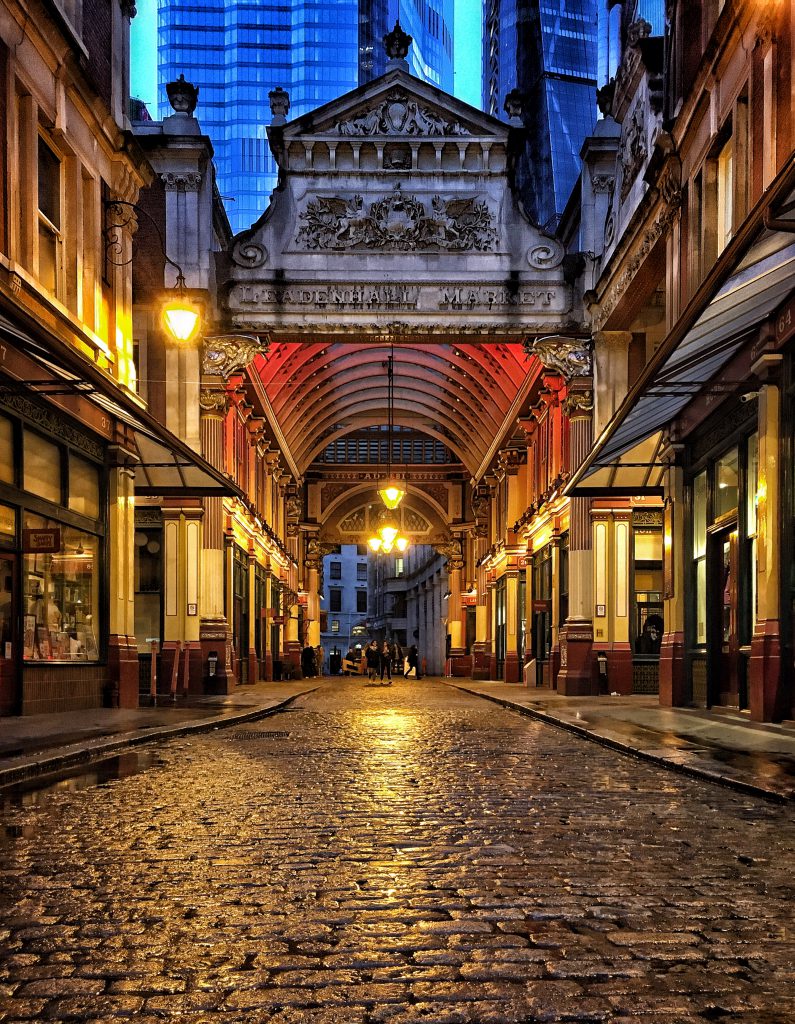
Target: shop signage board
[[40, 542]]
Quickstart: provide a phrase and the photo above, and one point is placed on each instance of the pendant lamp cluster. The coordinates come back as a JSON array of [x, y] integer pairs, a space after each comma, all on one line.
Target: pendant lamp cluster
[[387, 536]]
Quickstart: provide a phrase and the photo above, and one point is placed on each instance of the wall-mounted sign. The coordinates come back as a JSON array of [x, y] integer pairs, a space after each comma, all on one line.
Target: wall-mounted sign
[[601, 611], [193, 609], [39, 542]]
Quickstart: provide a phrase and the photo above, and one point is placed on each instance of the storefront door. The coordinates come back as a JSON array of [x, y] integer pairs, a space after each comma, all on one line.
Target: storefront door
[[9, 642], [728, 668]]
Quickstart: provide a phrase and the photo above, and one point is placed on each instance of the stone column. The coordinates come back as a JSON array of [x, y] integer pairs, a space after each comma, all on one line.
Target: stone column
[[481, 649], [182, 547], [215, 635], [765, 689], [577, 674], [122, 645], [619, 661], [672, 647], [512, 668]]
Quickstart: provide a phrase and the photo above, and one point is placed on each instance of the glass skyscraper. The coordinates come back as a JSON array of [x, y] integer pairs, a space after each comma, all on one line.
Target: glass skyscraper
[[547, 49], [237, 51]]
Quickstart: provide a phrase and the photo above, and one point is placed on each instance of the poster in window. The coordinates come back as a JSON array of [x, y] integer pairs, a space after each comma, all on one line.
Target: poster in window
[[29, 636], [91, 646], [43, 643]]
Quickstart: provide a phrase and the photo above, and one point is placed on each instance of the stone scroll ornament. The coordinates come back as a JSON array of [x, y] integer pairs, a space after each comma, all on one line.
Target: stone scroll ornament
[[399, 115], [399, 223]]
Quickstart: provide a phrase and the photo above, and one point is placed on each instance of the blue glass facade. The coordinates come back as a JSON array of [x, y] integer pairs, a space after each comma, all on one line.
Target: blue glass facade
[[239, 50], [548, 50]]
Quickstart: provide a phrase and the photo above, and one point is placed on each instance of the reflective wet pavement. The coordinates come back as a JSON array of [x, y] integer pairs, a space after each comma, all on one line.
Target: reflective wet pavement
[[396, 854]]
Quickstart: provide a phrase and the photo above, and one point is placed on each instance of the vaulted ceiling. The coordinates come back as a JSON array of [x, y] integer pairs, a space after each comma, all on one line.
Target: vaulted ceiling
[[459, 394]]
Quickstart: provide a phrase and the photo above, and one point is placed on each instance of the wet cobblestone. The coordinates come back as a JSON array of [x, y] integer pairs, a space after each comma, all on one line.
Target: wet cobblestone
[[403, 855]]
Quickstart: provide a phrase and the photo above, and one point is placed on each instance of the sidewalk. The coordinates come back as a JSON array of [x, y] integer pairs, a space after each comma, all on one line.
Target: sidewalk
[[40, 744], [721, 746]]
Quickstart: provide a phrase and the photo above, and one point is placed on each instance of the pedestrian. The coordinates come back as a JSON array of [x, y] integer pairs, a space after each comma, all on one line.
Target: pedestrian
[[412, 662], [320, 655], [385, 662], [397, 657], [308, 662], [372, 657]]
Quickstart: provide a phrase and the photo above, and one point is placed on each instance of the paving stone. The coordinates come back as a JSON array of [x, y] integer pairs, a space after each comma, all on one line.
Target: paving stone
[[404, 856]]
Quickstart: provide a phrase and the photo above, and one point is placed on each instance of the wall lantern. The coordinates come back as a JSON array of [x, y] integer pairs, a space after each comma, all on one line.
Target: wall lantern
[[180, 315]]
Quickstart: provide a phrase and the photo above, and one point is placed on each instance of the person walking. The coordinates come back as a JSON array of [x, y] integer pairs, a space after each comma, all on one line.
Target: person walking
[[385, 662], [373, 658], [412, 660]]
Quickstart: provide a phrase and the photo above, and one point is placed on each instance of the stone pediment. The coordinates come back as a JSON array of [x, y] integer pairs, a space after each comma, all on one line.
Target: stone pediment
[[396, 105], [395, 212]]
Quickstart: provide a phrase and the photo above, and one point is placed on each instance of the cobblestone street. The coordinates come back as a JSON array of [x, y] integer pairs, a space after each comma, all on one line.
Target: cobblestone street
[[396, 855]]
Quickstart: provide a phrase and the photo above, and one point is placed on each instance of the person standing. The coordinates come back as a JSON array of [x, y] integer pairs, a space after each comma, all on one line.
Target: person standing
[[385, 662], [373, 659]]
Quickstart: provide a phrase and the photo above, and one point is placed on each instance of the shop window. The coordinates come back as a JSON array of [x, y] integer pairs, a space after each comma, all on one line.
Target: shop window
[[8, 525], [83, 487], [648, 624], [563, 580], [361, 600], [700, 554], [49, 168], [725, 171], [751, 503], [335, 600], [61, 615], [399, 567], [42, 464], [6, 451], [726, 483], [335, 570]]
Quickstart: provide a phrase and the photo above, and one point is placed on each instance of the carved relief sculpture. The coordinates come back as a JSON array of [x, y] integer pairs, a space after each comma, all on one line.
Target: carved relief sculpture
[[567, 356], [399, 222], [230, 354], [399, 115], [633, 150]]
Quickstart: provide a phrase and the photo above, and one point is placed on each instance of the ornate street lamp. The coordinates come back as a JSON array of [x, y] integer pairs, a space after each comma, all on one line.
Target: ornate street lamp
[[391, 491], [180, 314]]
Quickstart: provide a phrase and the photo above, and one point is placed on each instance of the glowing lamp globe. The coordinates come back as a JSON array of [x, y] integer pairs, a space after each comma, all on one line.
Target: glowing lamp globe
[[391, 493], [387, 532], [181, 319], [375, 544], [401, 544]]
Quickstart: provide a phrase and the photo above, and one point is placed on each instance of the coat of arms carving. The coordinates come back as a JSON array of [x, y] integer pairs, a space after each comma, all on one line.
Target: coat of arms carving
[[399, 115], [398, 222]]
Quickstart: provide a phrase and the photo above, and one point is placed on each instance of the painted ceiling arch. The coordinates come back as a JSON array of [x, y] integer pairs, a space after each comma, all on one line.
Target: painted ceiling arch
[[459, 393]]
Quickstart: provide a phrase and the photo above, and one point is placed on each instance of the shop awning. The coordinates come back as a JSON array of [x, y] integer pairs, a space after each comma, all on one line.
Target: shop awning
[[167, 466], [760, 282], [637, 472]]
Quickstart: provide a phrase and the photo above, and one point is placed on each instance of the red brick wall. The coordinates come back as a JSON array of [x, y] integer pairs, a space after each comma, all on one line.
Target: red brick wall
[[3, 148], [98, 39]]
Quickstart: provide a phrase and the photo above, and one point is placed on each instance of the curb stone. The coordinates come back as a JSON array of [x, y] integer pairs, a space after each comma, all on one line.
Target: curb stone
[[624, 748], [76, 755]]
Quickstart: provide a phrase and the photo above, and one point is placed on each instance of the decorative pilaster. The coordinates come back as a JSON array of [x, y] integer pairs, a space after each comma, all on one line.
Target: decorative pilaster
[[765, 689], [577, 674], [122, 644], [672, 647]]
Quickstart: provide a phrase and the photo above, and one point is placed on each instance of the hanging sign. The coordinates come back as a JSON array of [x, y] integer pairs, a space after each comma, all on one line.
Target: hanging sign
[[40, 542]]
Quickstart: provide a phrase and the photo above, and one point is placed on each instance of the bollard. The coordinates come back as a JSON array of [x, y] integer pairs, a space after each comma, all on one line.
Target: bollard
[[153, 642], [175, 670]]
